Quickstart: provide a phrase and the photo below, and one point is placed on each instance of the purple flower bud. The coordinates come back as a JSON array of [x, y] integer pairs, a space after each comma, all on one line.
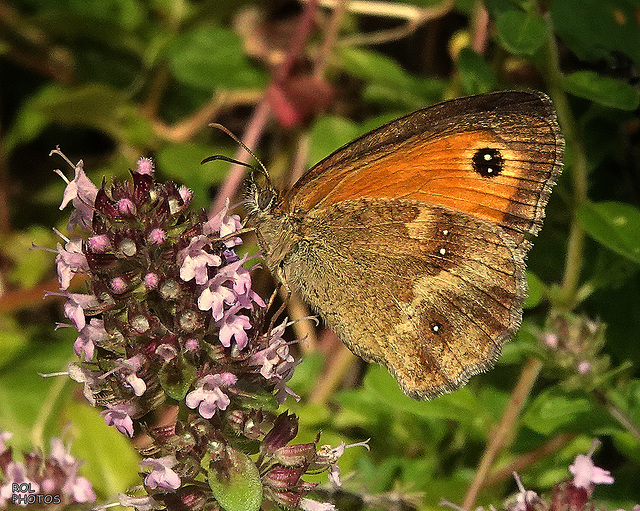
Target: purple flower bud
[[126, 207], [151, 280], [284, 429], [145, 166], [185, 194], [118, 285], [157, 236], [99, 243]]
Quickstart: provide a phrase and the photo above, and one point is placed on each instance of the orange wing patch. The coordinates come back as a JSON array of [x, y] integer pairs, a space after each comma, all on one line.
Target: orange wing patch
[[441, 171]]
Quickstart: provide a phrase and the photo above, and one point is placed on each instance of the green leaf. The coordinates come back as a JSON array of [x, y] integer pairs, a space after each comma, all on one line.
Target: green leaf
[[374, 67], [93, 105], [239, 488], [328, 133], [598, 29], [110, 461], [181, 163], [536, 291], [613, 224], [209, 56], [176, 377], [520, 32], [604, 90], [550, 412], [28, 400], [29, 266], [475, 73]]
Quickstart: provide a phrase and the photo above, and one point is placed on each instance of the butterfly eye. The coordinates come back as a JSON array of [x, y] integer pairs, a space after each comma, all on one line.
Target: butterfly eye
[[265, 198]]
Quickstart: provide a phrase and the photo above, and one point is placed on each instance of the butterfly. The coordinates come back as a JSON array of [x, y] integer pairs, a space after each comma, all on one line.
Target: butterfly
[[410, 241]]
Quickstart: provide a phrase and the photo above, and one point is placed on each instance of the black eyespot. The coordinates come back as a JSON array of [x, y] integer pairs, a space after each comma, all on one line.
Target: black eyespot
[[487, 162]]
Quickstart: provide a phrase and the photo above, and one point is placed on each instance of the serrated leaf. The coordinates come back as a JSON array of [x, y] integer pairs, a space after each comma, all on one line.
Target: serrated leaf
[[209, 56], [613, 224], [238, 488], [604, 90], [520, 32]]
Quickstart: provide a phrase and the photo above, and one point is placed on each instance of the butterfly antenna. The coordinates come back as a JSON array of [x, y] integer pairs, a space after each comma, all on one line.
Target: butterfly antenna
[[224, 129]]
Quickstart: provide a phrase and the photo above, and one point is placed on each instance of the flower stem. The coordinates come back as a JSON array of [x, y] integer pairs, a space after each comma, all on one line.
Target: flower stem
[[505, 429]]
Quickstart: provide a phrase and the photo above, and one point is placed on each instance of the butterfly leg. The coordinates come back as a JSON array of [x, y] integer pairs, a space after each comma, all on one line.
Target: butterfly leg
[[282, 283]]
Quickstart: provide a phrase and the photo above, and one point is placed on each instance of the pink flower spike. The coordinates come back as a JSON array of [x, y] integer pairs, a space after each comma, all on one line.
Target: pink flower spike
[[585, 473], [145, 166], [161, 475]]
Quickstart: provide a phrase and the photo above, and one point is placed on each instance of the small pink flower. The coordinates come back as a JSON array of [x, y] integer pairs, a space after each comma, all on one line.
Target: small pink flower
[[194, 260], [585, 473], [328, 455], [126, 207], [208, 396], [161, 475], [118, 285], [75, 306], [233, 326], [151, 280], [91, 333], [99, 243], [69, 261], [119, 417], [584, 367]]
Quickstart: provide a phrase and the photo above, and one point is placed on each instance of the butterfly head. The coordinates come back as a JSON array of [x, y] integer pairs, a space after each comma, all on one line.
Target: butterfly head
[[260, 197]]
